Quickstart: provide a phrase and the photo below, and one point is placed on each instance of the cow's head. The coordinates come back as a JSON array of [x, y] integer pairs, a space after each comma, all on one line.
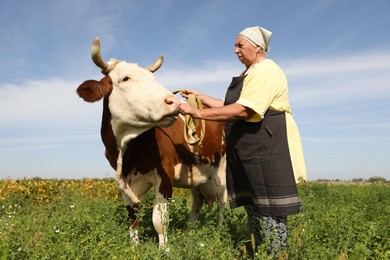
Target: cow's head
[[137, 102]]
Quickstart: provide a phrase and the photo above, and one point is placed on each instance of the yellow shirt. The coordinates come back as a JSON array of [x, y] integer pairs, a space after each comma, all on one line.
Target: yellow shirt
[[265, 87]]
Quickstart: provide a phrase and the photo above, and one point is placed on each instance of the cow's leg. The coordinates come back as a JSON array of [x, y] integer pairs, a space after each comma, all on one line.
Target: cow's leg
[[222, 196], [197, 203], [213, 190], [132, 208], [132, 211], [160, 218]]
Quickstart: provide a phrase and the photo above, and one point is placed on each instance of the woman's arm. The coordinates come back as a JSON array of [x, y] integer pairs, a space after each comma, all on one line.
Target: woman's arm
[[206, 100], [230, 112]]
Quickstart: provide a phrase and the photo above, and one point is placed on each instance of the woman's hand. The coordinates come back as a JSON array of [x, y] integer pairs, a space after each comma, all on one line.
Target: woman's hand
[[205, 99], [184, 93], [186, 109]]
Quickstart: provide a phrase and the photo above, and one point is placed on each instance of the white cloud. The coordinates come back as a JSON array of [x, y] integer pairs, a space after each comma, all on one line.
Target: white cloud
[[341, 80], [363, 61], [46, 102]]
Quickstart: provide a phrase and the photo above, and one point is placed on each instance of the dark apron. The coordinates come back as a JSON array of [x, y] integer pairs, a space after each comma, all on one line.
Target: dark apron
[[259, 171]]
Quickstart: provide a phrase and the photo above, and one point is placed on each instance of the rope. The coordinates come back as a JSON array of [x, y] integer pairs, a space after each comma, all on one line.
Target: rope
[[191, 124]]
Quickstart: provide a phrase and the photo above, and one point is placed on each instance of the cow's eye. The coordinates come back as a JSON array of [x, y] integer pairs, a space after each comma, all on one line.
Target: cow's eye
[[126, 78]]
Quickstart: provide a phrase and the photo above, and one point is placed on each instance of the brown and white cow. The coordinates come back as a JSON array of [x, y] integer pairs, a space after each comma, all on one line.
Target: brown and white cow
[[142, 132]]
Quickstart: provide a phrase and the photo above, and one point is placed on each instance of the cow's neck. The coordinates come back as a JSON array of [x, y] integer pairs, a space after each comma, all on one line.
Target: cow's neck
[[116, 137], [124, 135]]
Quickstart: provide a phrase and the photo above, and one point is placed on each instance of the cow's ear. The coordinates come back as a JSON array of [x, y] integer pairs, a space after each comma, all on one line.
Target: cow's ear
[[93, 90]]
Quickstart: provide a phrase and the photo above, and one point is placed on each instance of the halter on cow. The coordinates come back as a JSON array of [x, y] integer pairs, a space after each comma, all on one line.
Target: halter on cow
[[142, 132]]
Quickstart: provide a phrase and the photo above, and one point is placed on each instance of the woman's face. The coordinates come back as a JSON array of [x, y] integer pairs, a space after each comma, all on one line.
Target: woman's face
[[246, 52]]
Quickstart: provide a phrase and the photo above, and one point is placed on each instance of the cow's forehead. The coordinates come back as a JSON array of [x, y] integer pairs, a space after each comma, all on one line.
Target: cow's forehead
[[130, 69]]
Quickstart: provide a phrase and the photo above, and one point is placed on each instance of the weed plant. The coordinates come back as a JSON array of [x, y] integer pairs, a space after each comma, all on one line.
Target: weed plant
[[86, 219]]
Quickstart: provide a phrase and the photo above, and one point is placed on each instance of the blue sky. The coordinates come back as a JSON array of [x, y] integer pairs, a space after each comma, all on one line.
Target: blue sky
[[336, 55]]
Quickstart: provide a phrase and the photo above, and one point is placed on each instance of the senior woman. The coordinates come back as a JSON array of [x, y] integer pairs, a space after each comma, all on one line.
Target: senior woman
[[263, 146]]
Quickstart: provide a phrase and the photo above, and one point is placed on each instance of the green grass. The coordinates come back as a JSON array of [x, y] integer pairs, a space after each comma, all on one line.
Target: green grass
[[86, 219]]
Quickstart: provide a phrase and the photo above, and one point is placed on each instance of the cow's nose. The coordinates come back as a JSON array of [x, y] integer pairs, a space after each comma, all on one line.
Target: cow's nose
[[172, 101]]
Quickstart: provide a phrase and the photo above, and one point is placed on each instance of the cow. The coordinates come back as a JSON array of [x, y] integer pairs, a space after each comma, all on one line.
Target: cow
[[143, 135]]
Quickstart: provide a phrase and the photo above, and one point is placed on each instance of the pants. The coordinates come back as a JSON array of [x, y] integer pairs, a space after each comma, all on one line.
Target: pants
[[271, 229]]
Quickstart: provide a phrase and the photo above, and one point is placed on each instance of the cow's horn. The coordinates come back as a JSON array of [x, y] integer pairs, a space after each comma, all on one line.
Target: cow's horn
[[156, 65], [97, 58]]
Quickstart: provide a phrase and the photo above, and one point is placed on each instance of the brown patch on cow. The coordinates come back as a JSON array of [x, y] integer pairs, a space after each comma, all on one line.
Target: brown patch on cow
[[93, 90], [213, 145], [209, 152], [108, 137], [142, 154]]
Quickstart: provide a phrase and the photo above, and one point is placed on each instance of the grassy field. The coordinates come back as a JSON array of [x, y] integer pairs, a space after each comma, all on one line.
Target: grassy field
[[86, 219]]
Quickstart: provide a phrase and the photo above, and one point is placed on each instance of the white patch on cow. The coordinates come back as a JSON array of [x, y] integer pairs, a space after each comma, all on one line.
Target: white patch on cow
[[134, 238], [138, 102], [136, 186], [127, 200], [118, 175], [186, 177], [160, 218]]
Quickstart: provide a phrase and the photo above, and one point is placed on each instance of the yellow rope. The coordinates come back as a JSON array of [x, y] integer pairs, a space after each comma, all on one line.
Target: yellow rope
[[191, 123]]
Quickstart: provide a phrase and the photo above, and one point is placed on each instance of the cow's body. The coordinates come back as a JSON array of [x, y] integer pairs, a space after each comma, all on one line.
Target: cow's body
[[144, 142]]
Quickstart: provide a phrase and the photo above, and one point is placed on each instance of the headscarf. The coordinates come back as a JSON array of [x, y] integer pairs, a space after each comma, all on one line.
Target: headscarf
[[259, 36]]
